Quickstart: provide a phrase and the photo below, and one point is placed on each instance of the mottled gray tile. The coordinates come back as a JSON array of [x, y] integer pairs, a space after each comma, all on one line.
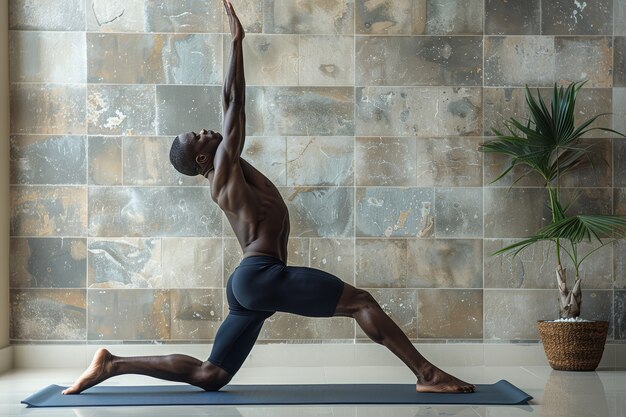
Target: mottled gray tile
[[586, 200], [459, 212], [47, 108], [326, 60], [121, 109], [250, 13], [298, 250], [335, 256], [309, 16], [619, 17], [582, 58], [598, 305], [520, 17], [153, 211], [619, 61], [125, 263], [619, 201], [188, 108], [284, 326], [619, 264], [48, 211], [448, 17], [47, 65], [449, 162], [146, 162], [513, 314], [420, 60], [178, 16], [503, 217], [596, 171], [196, 314], [385, 161], [48, 159], [619, 110], [394, 212], [444, 263], [619, 162], [400, 305], [499, 105], [459, 111], [520, 176], [232, 256], [154, 59], [192, 262], [105, 160], [320, 211], [385, 17], [380, 263], [450, 314], [309, 111], [116, 16], [268, 155], [138, 314], [48, 263], [620, 314], [47, 314], [517, 61], [577, 18], [321, 160], [269, 59], [65, 15]]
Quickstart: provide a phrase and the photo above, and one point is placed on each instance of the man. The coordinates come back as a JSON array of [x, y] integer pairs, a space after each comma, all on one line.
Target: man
[[262, 284]]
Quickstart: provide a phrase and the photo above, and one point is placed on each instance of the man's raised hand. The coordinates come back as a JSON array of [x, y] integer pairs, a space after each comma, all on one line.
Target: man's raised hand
[[236, 30]]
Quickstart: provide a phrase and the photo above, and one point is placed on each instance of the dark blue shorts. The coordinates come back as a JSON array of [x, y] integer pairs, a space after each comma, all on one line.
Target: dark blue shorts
[[261, 286]]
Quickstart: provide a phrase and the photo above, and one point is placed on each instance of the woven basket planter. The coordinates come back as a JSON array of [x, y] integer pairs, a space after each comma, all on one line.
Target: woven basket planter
[[573, 346]]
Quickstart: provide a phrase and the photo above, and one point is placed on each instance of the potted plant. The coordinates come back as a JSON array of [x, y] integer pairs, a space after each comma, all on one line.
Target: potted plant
[[549, 144]]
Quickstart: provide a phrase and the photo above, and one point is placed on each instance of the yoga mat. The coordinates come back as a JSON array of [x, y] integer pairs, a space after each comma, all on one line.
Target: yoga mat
[[500, 393]]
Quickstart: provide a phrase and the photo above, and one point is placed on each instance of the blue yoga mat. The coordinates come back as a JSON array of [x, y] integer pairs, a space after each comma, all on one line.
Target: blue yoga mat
[[501, 393]]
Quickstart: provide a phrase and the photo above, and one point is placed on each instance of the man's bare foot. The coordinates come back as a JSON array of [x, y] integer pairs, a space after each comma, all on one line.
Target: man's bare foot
[[98, 371], [436, 380]]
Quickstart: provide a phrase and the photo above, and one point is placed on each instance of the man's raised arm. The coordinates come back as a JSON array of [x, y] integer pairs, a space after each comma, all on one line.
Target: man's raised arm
[[234, 94]]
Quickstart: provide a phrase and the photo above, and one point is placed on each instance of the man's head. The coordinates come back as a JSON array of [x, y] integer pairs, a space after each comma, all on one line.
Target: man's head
[[192, 154]]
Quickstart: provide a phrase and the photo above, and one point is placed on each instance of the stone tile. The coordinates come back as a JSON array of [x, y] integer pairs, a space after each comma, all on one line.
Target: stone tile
[[298, 250], [291, 327], [138, 314], [619, 110], [47, 314], [269, 59], [619, 162], [422, 60], [535, 266], [459, 212], [448, 17], [385, 17], [521, 17], [517, 61], [232, 256], [445, 314], [380, 263], [385, 161], [499, 105], [577, 18], [250, 13], [309, 16], [595, 173], [302, 111], [387, 212], [513, 314], [48, 211], [444, 263], [320, 211], [48, 159], [146, 162], [268, 155], [196, 314], [47, 108], [326, 60], [153, 212], [105, 160], [154, 59], [184, 16], [188, 108], [598, 305], [321, 160], [121, 110], [47, 65], [591, 102], [620, 315], [584, 58], [48, 263], [400, 305], [125, 263], [619, 17], [116, 16], [586, 200], [459, 111], [501, 203], [619, 61], [619, 201], [65, 15], [521, 176], [449, 162], [335, 256], [619, 264]]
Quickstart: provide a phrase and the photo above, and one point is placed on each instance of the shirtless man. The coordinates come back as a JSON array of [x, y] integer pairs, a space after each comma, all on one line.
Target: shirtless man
[[262, 283]]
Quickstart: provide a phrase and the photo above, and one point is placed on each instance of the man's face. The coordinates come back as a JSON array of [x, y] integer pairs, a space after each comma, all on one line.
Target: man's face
[[201, 144]]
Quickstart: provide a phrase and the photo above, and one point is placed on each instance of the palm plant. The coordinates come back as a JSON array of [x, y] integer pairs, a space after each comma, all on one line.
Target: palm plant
[[549, 144]]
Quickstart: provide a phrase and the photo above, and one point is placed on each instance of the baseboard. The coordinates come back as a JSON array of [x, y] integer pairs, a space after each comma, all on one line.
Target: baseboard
[[6, 359]]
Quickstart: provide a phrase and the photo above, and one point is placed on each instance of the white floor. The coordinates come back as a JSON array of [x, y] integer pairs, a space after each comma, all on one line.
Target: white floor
[[578, 394]]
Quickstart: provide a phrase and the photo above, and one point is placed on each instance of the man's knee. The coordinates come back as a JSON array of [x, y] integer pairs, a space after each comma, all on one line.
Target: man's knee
[[354, 300], [210, 377]]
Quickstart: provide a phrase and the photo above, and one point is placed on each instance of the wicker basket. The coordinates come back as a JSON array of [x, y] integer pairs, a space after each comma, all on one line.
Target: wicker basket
[[573, 346]]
